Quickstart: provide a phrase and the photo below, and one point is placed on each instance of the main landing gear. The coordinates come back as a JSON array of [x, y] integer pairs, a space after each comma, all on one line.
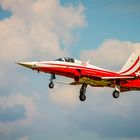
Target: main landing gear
[[82, 95], [51, 84], [116, 92]]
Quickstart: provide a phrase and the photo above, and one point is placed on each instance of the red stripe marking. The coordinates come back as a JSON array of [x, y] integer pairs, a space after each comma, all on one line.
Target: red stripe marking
[[131, 66], [85, 68]]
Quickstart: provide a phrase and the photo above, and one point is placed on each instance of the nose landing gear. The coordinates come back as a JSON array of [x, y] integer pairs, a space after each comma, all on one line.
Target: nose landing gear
[[82, 95], [51, 84]]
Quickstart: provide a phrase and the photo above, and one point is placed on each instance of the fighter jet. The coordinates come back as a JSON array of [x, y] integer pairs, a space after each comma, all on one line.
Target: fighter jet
[[84, 74]]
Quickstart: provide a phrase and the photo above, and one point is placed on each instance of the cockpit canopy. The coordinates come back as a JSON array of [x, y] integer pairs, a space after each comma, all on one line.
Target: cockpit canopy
[[66, 59]]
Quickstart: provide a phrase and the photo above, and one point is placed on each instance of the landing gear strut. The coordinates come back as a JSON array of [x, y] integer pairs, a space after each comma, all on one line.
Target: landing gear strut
[[82, 95], [51, 84]]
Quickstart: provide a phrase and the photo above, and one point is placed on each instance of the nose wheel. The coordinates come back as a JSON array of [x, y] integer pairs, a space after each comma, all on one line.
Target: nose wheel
[[51, 84], [82, 95]]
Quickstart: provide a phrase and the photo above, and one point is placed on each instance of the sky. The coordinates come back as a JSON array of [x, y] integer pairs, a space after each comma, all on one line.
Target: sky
[[104, 32]]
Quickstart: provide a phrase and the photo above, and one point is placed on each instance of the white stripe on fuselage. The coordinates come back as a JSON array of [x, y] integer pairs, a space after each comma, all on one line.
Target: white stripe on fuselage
[[58, 64]]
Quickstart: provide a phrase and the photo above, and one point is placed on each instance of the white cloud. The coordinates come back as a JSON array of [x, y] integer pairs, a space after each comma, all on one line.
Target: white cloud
[[37, 28], [13, 101], [19, 99], [65, 95], [111, 54]]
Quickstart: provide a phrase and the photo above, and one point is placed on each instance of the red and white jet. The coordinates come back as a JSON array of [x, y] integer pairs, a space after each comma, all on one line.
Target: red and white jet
[[127, 79]]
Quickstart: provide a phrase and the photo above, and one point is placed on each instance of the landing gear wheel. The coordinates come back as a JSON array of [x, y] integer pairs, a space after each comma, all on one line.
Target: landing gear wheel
[[51, 85], [82, 97], [116, 94]]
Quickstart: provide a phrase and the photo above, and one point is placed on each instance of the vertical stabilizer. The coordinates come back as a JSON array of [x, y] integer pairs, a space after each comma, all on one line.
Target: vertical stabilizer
[[132, 66]]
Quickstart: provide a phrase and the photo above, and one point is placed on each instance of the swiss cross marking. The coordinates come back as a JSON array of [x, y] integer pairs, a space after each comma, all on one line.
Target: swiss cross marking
[[84, 63], [137, 73]]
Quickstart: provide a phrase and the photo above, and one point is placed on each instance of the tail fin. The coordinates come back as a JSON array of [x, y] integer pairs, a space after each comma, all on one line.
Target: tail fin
[[132, 66]]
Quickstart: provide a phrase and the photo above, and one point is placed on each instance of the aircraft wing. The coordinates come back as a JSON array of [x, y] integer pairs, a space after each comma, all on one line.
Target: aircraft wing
[[90, 75], [100, 81], [120, 77], [75, 83]]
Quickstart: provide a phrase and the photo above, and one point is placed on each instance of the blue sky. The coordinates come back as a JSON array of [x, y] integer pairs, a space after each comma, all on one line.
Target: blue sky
[[109, 20], [106, 32], [4, 14]]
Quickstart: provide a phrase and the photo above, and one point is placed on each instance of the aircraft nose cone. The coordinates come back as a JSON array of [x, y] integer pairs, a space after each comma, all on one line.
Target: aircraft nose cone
[[25, 64]]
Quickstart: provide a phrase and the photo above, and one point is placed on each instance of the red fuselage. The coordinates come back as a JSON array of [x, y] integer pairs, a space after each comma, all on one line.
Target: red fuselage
[[78, 71], [127, 79]]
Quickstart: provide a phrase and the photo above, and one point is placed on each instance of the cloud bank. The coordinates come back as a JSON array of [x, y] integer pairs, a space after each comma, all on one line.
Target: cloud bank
[[38, 28], [112, 53]]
